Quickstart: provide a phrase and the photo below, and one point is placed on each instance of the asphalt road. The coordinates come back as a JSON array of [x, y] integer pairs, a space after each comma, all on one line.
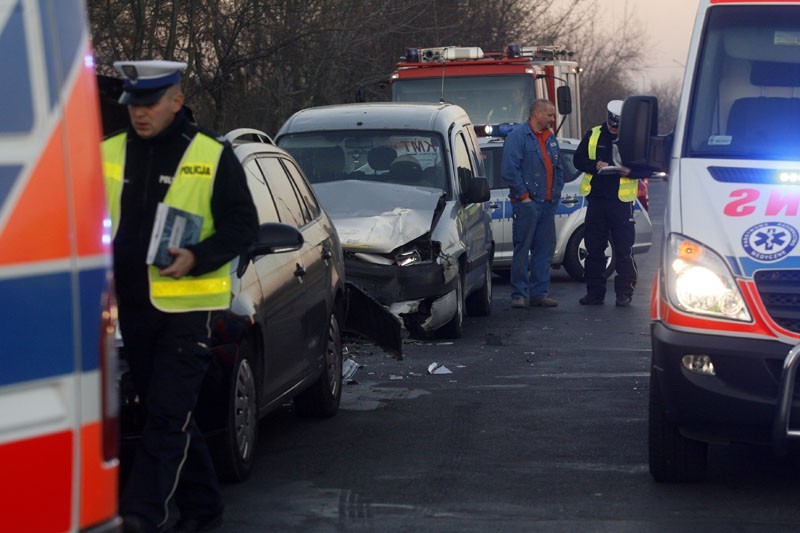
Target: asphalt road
[[541, 426]]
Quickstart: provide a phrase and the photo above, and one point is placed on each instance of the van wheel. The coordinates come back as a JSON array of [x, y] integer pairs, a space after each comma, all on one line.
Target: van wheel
[[323, 397], [479, 303], [234, 449], [455, 328], [673, 457], [575, 256]]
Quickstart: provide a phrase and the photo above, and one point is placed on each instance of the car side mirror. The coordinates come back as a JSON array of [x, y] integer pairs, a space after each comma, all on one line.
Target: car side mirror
[[477, 191], [272, 238], [640, 147], [564, 99]]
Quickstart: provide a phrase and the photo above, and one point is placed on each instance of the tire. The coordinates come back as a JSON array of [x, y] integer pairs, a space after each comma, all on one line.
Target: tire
[[479, 303], [575, 256], [233, 451], [673, 457], [323, 397], [455, 328]]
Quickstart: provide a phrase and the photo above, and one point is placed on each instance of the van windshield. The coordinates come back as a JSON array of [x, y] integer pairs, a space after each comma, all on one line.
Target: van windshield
[[399, 157], [510, 100], [746, 96]]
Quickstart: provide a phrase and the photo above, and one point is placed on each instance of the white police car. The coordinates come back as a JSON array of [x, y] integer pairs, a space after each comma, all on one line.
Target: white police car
[[570, 214]]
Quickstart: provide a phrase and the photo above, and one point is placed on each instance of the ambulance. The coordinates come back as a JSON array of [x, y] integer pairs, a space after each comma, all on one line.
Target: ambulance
[[726, 302], [58, 399]]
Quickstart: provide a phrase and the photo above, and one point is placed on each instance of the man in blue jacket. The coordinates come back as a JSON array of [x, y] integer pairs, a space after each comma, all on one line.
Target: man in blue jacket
[[532, 170]]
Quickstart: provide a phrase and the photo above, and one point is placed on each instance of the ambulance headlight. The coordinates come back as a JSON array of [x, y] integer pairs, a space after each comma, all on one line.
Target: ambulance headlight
[[699, 281]]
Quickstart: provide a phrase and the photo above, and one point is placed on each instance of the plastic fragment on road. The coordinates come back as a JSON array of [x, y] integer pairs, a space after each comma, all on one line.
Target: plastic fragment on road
[[438, 368]]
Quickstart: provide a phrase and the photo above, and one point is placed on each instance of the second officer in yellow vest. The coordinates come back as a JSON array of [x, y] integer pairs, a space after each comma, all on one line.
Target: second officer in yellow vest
[[165, 312], [610, 196]]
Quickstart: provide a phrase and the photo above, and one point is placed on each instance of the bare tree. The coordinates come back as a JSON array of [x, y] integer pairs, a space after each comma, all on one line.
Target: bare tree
[[668, 94]]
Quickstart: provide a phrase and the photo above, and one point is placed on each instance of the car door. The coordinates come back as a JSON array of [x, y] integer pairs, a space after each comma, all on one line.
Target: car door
[[499, 204], [311, 270], [278, 309], [474, 217]]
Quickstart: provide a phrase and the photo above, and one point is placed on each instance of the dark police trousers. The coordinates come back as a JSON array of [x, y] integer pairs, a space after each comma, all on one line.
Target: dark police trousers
[[609, 217], [169, 355]]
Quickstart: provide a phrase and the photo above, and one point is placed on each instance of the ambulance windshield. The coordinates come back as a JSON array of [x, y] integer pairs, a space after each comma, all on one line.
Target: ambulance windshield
[[746, 95], [486, 99]]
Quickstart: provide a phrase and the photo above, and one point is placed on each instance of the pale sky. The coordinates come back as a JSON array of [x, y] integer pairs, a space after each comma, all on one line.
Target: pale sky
[[668, 26]]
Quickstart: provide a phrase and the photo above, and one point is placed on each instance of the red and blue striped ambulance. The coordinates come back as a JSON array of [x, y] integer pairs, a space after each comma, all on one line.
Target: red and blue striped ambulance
[[58, 398]]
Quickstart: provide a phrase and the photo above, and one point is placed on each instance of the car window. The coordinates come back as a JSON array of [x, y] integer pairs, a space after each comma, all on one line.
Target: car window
[[463, 162], [289, 209], [388, 156], [306, 195], [262, 197]]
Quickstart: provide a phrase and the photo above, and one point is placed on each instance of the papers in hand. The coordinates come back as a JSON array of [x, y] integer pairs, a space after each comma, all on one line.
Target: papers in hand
[[614, 169], [172, 228]]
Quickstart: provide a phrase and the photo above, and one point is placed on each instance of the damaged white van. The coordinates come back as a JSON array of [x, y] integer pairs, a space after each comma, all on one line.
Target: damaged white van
[[405, 186], [726, 303]]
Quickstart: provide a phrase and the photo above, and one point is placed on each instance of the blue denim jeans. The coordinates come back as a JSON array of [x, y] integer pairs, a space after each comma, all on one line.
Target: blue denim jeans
[[534, 234]]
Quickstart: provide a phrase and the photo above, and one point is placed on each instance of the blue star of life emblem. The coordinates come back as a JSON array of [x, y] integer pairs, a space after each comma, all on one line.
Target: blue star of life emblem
[[770, 241]]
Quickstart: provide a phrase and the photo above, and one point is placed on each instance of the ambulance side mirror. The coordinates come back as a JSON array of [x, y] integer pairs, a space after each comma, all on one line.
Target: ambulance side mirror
[[640, 147]]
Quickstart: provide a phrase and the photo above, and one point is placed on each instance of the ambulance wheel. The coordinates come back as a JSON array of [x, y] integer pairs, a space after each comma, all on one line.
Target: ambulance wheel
[[673, 457], [323, 397], [575, 256], [234, 449], [479, 303]]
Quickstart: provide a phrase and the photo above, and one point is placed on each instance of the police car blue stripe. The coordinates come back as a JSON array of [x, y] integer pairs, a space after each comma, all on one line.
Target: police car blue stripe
[[33, 332], [16, 106], [62, 42]]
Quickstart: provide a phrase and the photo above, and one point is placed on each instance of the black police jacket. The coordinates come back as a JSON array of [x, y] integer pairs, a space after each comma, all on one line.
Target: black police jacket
[[150, 165]]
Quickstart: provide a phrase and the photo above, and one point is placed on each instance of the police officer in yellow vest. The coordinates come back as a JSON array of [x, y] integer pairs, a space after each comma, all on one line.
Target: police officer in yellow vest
[[165, 312], [610, 195]]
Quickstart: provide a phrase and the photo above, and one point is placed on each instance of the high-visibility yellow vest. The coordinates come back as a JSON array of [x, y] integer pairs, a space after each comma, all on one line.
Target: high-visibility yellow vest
[[628, 187], [191, 190]]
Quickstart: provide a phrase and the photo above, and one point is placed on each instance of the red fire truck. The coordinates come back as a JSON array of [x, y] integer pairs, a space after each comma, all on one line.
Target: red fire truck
[[493, 87], [58, 397]]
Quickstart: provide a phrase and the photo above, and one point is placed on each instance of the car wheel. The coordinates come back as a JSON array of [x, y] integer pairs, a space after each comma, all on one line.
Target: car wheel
[[479, 303], [673, 457], [575, 256], [455, 328], [233, 450], [323, 397]]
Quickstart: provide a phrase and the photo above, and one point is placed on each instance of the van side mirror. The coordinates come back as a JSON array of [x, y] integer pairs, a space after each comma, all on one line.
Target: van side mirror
[[564, 99], [477, 191], [640, 147]]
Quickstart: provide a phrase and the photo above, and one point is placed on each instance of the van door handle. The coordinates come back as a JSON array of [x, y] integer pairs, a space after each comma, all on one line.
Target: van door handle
[[570, 201], [494, 205], [299, 272]]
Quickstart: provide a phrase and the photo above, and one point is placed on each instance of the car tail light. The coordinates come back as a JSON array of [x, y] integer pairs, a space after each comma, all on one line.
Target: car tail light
[[108, 374]]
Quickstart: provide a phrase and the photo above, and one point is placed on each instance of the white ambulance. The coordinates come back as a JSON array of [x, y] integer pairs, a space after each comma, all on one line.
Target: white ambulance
[[726, 303]]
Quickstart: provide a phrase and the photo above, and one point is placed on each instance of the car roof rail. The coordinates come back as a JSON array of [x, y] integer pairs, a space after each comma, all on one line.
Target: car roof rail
[[246, 135]]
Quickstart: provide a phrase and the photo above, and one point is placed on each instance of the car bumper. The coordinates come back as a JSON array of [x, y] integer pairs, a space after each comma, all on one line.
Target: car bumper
[[737, 404], [421, 296]]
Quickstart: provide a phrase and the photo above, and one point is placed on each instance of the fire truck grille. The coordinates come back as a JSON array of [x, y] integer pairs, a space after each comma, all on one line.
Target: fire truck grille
[[780, 292]]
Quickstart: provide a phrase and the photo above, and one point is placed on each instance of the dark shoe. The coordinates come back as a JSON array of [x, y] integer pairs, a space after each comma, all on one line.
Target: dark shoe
[[591, 300], [544, 301], [623, 301], [518, 303], [190, 525]]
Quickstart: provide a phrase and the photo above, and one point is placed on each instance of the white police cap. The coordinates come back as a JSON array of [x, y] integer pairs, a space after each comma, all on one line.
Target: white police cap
[[614, 109], [144, 82]]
